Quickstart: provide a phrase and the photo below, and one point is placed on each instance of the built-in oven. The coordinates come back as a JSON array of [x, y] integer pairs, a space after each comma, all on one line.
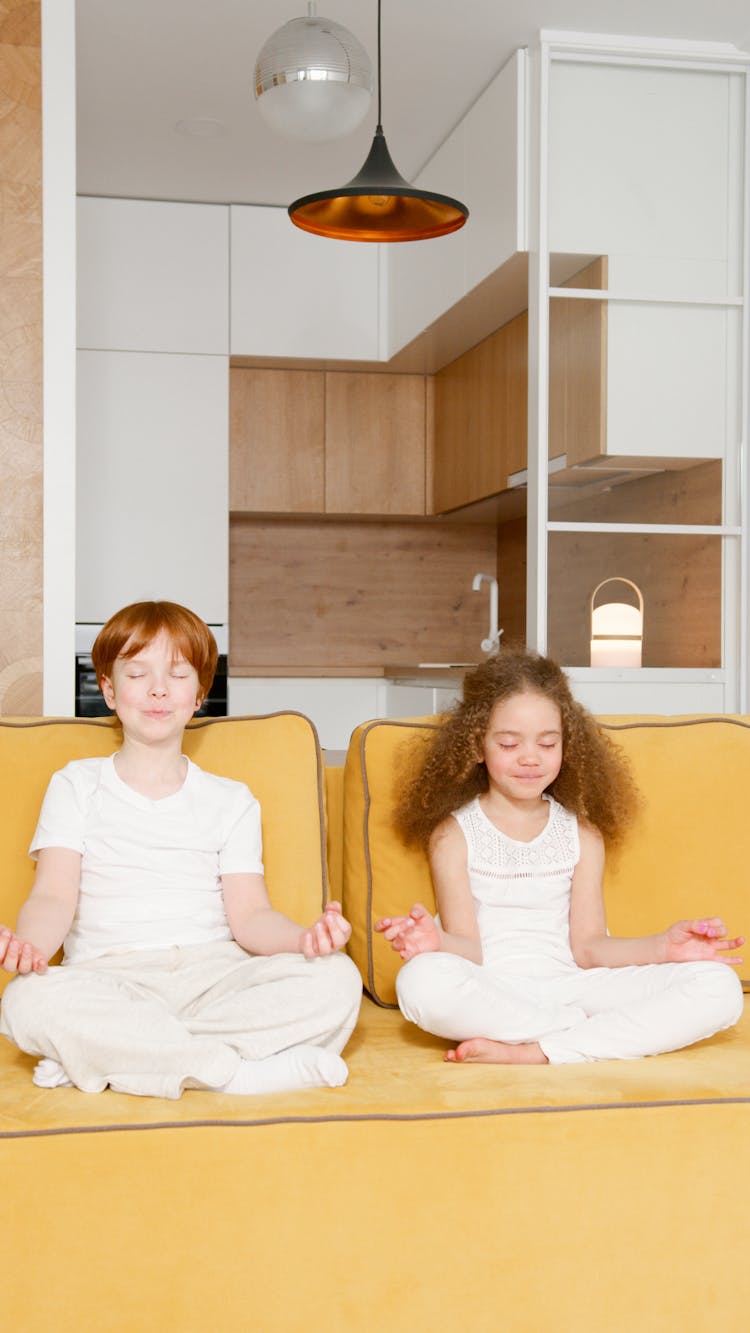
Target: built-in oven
[[90, 700]]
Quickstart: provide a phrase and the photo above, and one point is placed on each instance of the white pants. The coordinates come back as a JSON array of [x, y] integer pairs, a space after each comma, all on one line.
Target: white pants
[[597, 1013], [157, 1021]]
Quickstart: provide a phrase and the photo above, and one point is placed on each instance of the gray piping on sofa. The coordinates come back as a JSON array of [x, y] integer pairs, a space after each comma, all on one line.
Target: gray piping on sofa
[[396, 1117]]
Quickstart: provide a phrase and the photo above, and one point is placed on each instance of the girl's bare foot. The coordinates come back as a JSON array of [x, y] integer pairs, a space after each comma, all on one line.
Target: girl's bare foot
[[480, 1050]]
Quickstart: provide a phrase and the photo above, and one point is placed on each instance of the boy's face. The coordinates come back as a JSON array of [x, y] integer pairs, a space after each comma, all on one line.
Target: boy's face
[[155, 693]]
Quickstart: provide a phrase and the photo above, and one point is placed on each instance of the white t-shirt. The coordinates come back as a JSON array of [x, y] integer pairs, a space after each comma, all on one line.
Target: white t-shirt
[[149, 869]]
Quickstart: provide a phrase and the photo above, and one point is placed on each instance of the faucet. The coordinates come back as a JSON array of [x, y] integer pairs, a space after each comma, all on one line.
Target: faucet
[[492, 642]]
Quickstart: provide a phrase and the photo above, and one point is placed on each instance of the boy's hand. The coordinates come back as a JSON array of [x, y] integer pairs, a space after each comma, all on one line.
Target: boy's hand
[[700, 941], [409, 935], [329, 933], [19, 956]]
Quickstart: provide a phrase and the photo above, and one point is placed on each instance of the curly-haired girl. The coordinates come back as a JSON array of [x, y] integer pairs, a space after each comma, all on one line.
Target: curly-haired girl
[[515, 801]]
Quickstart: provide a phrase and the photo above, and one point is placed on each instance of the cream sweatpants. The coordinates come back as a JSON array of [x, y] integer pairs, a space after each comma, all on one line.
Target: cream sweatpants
[[154, 1022], [579, 1014]]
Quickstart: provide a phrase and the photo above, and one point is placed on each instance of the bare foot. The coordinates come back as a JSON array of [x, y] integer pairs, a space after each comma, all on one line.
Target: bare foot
[[480, 1050]]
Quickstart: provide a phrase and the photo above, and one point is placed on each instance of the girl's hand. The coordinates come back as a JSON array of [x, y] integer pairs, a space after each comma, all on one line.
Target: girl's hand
[[329, 933], [700, 941], [409, 935], [19, 956]]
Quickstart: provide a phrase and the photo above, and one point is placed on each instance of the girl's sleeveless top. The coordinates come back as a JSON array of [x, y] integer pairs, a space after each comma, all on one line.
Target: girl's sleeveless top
[[521, 890]]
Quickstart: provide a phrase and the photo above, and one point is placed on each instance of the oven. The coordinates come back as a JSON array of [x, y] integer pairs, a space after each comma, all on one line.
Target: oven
[[89, 701]]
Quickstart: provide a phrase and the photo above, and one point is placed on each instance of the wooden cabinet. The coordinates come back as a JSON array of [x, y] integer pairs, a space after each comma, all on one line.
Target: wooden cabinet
[[578, 370], [375, 444], [277, 428], [311, 442], [480, 419], [480, 438]]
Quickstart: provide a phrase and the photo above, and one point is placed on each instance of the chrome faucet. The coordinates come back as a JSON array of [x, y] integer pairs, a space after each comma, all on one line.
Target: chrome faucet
[[492, 642]]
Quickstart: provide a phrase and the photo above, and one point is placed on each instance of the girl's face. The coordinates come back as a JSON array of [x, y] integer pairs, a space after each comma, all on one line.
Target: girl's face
[[155, 693], [522, 746]]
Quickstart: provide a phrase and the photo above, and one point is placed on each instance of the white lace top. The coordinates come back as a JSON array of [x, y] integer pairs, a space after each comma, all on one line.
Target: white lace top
[[521, 890]]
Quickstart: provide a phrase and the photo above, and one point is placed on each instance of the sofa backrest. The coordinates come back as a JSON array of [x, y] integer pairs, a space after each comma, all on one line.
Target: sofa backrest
[[686, 856], [278, 756]]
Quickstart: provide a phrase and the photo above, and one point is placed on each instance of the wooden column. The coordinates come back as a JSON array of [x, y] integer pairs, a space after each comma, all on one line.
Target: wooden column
[[20, 358]]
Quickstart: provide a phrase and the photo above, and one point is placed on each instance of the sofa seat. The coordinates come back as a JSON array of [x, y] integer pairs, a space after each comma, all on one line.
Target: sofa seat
[[344, 1207], [394, 1071]]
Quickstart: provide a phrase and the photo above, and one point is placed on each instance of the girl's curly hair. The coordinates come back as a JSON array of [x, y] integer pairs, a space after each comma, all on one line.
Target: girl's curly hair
[[595, 782]]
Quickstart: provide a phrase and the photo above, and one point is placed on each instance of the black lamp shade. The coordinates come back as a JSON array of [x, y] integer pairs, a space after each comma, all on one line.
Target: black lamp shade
[[378, 205]]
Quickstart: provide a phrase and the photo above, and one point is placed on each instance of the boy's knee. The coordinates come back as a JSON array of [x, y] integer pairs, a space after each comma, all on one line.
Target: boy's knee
[[21, 1002], [342, 980]]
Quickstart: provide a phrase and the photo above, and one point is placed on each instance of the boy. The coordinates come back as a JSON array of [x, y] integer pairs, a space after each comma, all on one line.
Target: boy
[[177, 971]]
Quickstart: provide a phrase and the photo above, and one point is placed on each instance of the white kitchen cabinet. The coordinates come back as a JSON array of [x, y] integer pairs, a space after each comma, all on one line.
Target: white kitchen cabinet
[[152, 483], [495, 172], [153, 276], [643, 169], [335, 705], [298, 295], [483, 164], [425, 278]]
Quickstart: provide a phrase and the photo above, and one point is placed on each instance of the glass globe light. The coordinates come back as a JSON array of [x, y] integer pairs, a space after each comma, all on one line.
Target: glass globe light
[[313, 80]]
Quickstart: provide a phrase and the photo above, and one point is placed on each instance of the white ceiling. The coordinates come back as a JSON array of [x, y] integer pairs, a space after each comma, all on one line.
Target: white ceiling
[[145, 65]]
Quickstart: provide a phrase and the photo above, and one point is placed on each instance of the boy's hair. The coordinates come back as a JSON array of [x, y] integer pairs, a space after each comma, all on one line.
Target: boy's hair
[[594, 781], [135, 626]]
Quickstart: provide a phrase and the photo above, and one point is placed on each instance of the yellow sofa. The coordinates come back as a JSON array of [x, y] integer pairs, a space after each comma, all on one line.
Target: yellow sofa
[[421, 1196]]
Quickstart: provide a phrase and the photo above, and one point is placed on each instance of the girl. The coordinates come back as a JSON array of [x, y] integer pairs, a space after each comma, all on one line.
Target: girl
[[177, 972], [516, 799]]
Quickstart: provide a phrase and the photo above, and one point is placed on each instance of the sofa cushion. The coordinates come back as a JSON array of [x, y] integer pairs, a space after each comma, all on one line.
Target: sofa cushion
[[278, 756], [685, 857]]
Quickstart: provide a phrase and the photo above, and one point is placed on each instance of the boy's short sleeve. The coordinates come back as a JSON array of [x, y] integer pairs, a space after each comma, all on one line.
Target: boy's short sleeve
[[62, 816], [242, 850]]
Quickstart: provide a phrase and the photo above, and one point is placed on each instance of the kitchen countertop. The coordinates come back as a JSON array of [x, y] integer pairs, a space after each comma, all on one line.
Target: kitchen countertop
[[416, 673]]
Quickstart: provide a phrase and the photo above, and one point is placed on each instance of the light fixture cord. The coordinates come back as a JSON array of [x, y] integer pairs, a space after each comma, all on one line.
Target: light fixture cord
[[380, 122]]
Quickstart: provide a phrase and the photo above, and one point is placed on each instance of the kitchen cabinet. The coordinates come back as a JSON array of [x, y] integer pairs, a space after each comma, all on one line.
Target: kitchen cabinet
[[277, 441], [375, 444], [578, 364], [480, 419], [316, 442], [298, 295], [153, 276], [336, 706], [152, 513], [483, 163], [644, 164], [480, 399]]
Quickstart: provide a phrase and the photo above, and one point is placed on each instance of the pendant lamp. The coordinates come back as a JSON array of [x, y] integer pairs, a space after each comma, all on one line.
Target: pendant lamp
[[378, 204], [313, 80]]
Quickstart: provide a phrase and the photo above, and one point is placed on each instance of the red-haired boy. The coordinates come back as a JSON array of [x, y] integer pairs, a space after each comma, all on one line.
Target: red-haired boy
[[177, 971]]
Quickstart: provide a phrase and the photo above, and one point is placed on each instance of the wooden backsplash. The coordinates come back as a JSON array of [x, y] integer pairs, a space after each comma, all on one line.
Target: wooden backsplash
[[308, 593], [679, 576]]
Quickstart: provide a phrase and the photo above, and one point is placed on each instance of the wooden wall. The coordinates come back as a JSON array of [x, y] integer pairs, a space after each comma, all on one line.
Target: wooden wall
[[20, 358], [309, 592], [679, 576]]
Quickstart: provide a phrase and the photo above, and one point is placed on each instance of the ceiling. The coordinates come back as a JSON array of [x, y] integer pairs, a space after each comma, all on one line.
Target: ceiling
[[143, 66]]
